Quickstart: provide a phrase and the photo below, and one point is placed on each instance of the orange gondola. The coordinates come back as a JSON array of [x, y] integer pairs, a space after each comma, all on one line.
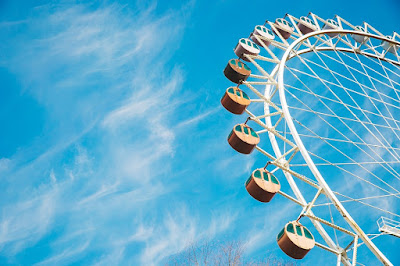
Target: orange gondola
[[295, 240], [243, 139], [262, 185], [235, 100], [237, 71]]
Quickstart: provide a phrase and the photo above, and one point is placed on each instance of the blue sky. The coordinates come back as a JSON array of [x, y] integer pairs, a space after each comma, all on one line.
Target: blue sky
[[113, 141]]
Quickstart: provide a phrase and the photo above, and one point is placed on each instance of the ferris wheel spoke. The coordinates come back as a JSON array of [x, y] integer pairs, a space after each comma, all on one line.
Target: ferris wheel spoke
[[391, 82], [385, 105], [358, 177], [345, 88], [347, 126], [350, 199], [378, 62], [348, 89], [377, 109], [335, 101], [352, 80], [352, 113], [370, 60], [386, 69], [358, 199], [372, 80], [348, 139], [346, 118], [390, 86], [374, 90], [338, 131], [367, 57], [341, 140], [394, 173], [352, 163]]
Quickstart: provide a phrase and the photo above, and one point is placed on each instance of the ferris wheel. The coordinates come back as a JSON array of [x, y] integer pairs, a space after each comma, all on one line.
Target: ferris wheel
[[322, 99]]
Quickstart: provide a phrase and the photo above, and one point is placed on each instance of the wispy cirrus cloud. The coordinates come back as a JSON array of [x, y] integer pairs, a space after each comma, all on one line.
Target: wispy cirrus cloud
[[103, 168], [180, 229], [26, 221]]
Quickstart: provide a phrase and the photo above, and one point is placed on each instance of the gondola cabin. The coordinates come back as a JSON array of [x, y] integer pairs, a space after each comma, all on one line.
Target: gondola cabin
[[235, 100], [284, 28], [306, 25], [246, 46], [237, 71], [357, 37], [295, 240], [243, 139], [391, 48], [265, 35], [262, 185], [331, 25]]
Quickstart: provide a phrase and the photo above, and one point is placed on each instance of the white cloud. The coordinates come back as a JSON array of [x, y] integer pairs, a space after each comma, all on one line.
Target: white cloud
[[23, 223], [66, 255], [81, 66], [111, 104], [198, 118], [180, 229], [259, 237]]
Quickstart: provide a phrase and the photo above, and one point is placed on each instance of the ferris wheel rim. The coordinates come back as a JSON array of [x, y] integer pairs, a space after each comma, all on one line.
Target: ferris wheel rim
[[304, 152], [292, 183]]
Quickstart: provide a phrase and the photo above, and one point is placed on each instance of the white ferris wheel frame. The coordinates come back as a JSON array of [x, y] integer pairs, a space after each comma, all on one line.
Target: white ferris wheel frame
[[323, 185], [279, 160]]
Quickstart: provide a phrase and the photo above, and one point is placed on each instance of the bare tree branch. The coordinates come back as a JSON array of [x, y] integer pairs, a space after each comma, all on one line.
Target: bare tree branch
[[220, 254]]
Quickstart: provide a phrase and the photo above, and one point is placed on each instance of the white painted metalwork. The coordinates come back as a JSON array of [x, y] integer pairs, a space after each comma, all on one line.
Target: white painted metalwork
[[366, 112], [308, 159], [389, 226]]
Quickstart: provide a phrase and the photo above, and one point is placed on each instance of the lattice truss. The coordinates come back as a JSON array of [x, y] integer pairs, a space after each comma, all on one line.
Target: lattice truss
[[342, 97]]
